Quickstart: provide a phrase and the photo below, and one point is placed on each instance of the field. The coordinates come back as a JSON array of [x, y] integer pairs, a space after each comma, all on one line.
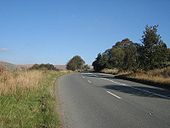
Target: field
[[27, 99]]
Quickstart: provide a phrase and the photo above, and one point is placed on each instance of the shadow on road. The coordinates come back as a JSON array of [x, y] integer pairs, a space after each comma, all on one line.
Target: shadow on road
[[144, 91], [108, 76], [140, 91]]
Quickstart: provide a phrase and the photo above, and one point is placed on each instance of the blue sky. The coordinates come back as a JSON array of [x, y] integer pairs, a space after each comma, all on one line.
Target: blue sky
[[53, 31]]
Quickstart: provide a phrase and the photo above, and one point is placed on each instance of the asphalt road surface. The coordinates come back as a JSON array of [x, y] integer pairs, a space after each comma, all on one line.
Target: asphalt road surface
[[91, 100]]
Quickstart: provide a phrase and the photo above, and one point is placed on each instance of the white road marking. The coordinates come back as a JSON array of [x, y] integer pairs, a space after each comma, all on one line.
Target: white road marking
[[143, 90], [113, 81], [114, 95], [89, 81], [91, 74], [83, 77], [118, 83], [86, 73]]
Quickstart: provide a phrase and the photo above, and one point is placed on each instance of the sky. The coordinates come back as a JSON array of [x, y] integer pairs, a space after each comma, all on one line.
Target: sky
[[53, 31]]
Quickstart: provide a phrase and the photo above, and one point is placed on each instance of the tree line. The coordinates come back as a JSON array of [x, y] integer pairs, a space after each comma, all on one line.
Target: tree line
[[126, 55], [43, 67]]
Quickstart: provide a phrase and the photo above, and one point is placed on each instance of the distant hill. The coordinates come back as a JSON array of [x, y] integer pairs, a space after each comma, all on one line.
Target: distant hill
[[8, 66], [26, 66], [62, 67]]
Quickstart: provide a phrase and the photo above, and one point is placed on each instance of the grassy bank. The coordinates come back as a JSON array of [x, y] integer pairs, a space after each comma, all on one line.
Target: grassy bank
[[27, 99], [156, 77]]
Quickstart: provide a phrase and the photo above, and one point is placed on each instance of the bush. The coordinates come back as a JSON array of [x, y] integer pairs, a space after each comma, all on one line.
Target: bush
[[43, 67]]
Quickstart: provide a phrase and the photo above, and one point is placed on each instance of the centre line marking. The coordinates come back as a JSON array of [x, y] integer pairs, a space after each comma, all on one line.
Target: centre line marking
[[89, 81], [114, 95]]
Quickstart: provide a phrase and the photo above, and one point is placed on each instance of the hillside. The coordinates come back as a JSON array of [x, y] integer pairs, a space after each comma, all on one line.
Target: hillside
[[62, 67], [26, 66], [8, 66]]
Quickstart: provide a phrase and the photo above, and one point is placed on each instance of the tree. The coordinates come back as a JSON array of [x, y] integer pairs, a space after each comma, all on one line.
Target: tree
[[126, 55], [76, 63], [124, 43], [153, 52], [116, 59], [86, 67], [168, 54], [123, 55], [43, 67], [97, 65], [131, 57], [101, 62]]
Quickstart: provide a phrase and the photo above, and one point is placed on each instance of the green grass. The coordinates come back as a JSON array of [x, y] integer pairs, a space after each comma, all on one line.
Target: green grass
[[32, 109]]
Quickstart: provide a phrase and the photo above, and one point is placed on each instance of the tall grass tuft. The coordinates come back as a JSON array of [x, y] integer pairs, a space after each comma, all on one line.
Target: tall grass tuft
[[10, 82], [161, 76], [27, 99]]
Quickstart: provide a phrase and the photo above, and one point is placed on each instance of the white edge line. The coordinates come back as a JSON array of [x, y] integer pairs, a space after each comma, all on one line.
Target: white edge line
[[150, 92], [163, 96], [86, 73], [114, 95], [89, 74]]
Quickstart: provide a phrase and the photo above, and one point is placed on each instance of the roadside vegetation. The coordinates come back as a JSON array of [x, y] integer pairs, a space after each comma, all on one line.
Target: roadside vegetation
[[27, 99], [147, 61], [156, 77], [43, 67], [77, 64]]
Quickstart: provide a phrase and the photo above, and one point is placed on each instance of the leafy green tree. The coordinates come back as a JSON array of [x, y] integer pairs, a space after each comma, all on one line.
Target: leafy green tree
[[124, 43], [153, 52], [168, 54], [131, 57], [97, 65], [75, 64], [126, 55], [101, 62], [86, 67], [35, 66], [117, 57], [123, 55]]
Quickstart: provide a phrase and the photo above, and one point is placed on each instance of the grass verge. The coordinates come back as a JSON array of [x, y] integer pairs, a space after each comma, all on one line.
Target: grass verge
[[156, 77], [27, 99]]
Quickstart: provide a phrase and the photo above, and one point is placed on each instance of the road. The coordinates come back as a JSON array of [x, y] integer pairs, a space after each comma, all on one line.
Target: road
[[92, 100]]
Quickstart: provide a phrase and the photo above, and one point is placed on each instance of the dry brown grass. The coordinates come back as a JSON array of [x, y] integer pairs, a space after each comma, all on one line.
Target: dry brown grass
[[115, 71], [27, 99], [161, 76], [110, 71], [24, 80]]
